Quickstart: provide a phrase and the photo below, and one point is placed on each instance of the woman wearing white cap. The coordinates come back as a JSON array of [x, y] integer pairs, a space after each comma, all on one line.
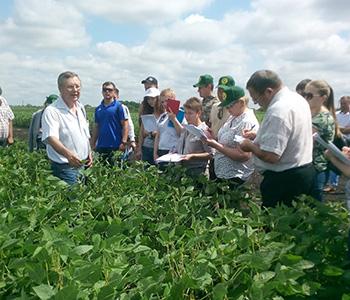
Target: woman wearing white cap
[[150, 105]]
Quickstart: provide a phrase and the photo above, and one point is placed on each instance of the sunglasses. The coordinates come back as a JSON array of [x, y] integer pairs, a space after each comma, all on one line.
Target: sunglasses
[[107, 90], [308, 96]]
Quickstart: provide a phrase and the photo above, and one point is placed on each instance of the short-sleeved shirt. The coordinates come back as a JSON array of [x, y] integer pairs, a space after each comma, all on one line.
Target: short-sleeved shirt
[[108, 118], [323, 122], [188, 143], [131, 130], [72, 130], [6, 115], [207, 104], [286, 131], [218, 117], [224, 166], [168, 137], [344, 121]]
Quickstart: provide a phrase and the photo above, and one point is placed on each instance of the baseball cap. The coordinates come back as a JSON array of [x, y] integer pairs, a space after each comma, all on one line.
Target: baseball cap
[[231, 94], [150, 79], [226, 81], [204, 80], [152, 92], [50, 99]]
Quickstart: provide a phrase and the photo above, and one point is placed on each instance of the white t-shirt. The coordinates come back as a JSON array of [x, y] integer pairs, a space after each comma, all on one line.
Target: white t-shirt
[[344, 121], [167, 134], [286, 131], [224, 166], [71, 130]]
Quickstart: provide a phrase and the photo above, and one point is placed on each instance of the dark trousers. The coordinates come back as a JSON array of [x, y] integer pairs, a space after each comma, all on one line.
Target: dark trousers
[[285, 186]]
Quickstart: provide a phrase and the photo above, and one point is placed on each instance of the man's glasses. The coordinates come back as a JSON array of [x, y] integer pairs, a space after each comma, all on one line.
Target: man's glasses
[[308, 96], [109, 90]]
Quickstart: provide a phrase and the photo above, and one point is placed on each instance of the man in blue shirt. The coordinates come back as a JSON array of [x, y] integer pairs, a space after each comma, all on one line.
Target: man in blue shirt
[[110, 132]]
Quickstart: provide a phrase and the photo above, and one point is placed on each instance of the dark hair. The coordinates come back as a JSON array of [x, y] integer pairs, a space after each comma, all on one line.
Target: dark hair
[[146, 109], [302, 84], [263, 79], [109, 83]]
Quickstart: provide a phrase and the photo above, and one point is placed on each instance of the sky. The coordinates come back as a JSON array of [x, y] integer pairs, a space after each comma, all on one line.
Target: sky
[[174, 41]]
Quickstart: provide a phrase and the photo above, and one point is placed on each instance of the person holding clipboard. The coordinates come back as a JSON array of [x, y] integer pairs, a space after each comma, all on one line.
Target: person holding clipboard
[[168, 125]]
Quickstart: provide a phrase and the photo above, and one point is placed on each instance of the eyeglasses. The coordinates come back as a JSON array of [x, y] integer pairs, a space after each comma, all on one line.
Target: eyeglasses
[[308, 96], [107, 90], [71, 88]]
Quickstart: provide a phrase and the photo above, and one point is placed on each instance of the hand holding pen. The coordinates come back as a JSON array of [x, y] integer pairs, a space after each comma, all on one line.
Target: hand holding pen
[[249, 133]]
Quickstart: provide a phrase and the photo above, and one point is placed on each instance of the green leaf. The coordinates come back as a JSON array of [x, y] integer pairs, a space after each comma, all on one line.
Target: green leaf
[[67, 293], [44, 291], [82, 249], [219, 291], [333, 271]]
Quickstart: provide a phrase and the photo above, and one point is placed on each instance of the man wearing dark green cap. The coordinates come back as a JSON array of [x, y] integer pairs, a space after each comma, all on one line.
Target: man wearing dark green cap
[[34, 139], [205, 87], [219, 115]]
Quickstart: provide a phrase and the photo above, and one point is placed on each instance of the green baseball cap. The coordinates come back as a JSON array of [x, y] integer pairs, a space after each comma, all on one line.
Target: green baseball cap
[[231, 94], [50, 99], [226, 81], [204, 80]]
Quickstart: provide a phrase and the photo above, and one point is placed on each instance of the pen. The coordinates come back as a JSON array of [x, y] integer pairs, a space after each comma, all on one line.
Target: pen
[[252, 127]]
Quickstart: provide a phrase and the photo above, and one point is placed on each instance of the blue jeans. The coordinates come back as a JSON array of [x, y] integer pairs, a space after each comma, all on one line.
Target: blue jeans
[[66, 172], [319, 183]]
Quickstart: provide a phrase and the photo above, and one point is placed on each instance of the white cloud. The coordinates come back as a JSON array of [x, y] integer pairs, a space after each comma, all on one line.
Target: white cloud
[[43, 25], [139, 11], [298, 39]]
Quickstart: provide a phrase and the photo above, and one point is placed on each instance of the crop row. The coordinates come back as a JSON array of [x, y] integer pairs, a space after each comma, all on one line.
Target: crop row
[[136, 234]]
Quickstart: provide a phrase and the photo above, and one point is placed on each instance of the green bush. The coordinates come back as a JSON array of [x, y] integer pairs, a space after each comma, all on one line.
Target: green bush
[[140, 234]]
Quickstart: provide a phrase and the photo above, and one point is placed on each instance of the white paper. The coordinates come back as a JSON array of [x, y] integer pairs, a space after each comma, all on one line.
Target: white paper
[[149, 122], [170, 157], [238, 138], [332, 148], [198, 132]]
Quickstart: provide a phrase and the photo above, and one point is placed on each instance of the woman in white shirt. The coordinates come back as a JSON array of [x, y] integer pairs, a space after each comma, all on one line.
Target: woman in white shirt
[[230, 162]]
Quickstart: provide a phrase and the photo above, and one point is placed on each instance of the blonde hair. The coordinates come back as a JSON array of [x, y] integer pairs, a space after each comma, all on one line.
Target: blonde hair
[[194, 104], [324, 89], [168, 92]]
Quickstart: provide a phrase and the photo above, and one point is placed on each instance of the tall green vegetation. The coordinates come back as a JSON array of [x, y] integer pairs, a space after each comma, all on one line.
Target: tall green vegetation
[[138, 234]]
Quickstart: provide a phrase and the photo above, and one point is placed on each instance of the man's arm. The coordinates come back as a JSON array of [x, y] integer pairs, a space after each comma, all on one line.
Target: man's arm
[[94, 136], [266, 156], [55, 143], [125, 130], [10, 136]]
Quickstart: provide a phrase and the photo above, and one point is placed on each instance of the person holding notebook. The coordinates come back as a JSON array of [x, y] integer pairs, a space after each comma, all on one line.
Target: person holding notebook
[[195, 153], [231, 164], [168, 125]]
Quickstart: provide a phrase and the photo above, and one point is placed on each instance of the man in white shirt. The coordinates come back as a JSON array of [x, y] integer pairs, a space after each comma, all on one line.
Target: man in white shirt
[[6, 119], [283, 145], [66, 131]]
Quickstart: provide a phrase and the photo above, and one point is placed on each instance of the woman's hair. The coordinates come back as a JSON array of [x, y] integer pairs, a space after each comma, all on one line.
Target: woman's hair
[[146, 109], [168, 92], [194, 104], [324, 89]]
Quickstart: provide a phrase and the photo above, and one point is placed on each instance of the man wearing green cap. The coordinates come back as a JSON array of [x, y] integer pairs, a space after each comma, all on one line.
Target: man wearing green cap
[[34, 139], [218, 114], [205, 87]]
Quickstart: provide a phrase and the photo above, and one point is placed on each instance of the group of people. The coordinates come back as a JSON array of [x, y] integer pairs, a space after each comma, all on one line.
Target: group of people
[[230, 146]]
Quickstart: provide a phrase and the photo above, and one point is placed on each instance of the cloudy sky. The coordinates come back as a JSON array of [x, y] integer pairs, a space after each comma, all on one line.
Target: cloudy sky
[[175, 41]]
